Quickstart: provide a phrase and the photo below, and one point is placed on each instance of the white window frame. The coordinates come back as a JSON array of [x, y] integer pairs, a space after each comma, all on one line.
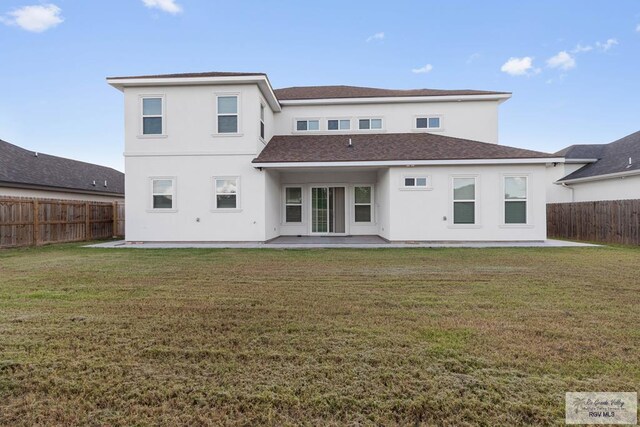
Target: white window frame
[[475, 200], [306, 119], [174, 199], [339, 119], [214, 203], [142, 116], [526, 224], [238, 132], [370, 129], [262, 127], [371, 204], [427, 116], [415, 187], [285, 204]]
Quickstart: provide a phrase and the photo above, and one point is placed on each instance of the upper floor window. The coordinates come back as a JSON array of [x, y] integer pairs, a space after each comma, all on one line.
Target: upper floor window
[[227, 113], [262, 121], [342, 124], [303, 125], [464, 200], [364, 124], [152, 116], [428, 123], [515, 200], [162, 193]]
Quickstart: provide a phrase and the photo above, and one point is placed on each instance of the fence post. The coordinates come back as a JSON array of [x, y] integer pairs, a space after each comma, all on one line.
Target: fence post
[[36, 223], [87, 222], [114, 231]]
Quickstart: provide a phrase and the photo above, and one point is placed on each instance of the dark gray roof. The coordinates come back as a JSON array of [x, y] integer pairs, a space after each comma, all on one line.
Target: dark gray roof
[[22, 167], [191, 75], [332, 92], [612, 158], [385, 147]]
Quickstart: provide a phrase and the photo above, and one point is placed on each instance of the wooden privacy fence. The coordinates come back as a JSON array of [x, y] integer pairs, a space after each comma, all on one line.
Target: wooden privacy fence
[[28, 221], [610, 221]]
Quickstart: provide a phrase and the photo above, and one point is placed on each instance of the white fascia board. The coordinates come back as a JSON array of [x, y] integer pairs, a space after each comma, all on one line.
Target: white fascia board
[[598, 177], [408, 163], [262, 82], [569, 161], [396, 99]]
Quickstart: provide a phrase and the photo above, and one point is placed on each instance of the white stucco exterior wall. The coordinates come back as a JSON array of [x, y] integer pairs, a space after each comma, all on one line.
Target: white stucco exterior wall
[[607, 189], [476, 120]]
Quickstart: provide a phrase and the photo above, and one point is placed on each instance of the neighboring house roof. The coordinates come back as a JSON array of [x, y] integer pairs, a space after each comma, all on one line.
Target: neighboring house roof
[[332, 92], [23, 168], [385, 147], [613, 158]]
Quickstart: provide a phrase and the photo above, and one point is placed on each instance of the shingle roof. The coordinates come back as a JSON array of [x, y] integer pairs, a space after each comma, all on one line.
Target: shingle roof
[[327, 92], [20, 166], [384, 147], [188, 75], [612, 157]]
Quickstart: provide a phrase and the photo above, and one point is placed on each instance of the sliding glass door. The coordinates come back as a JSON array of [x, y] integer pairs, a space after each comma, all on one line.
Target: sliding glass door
[[327, 210]]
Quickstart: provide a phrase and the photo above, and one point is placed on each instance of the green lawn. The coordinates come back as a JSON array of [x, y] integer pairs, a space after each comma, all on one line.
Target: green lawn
[[390, 336]]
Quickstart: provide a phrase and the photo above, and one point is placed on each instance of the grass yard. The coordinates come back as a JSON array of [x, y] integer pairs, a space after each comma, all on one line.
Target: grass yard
[[320, 337]]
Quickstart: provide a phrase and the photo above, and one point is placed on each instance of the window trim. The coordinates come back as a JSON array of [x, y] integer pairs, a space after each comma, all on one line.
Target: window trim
[[339, 119], [382, 123], [427, 187], [285, 204], [238, 132], [174, 199], [528, 223], [306, 119], [371, 204], [163, 103], [262, 127], [476, 200], [214, 202]]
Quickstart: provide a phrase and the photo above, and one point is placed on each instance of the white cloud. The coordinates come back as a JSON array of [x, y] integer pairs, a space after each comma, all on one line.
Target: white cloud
[[580, 49], [562, 60], [37, 18], [422, 70], [376, 36], [606, 45], [473, 57], [169, 6], [519, 66]]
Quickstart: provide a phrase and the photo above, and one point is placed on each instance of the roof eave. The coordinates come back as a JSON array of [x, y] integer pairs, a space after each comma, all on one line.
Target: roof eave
[[28, 186], [262, 81], [598, 177], [501, 97], [388, 163]]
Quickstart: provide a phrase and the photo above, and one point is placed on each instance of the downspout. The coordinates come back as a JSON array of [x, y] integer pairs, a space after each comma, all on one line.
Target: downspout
[[564, 184]]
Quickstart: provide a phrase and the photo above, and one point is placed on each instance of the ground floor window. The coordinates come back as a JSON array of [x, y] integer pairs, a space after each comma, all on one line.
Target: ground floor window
[[464, 200], [162, 193], [363, 203], [293, 204], [515, 200], [226, 193]]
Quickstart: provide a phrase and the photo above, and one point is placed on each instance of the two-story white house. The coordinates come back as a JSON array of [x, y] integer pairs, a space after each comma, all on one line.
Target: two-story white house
[[225, 157]]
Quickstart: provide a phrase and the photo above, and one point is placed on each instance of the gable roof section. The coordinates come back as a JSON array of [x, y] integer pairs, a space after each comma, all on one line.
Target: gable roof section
[[335, 92], [612, 158], [190, 75], [20, 167], [385, 147]]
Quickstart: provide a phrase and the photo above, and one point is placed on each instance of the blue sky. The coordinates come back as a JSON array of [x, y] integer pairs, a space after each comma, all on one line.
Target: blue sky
[[573, 66]]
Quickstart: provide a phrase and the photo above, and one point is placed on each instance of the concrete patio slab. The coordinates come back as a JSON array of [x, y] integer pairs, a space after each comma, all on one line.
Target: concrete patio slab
[[321, 242]]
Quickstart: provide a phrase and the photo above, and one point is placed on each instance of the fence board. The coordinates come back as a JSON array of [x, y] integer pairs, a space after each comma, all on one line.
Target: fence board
[[609, 221], [29, 221]]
